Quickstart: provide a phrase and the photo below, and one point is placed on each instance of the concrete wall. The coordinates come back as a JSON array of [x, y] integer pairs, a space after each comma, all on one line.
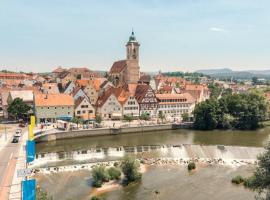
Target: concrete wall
[[99, 132]]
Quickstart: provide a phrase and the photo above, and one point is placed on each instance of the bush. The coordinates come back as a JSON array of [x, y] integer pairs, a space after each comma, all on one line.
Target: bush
[[114, 173], [130, 168], [238, 180], [100, 175], [128, 118], [248, 182], [191, 166], [96, 198]]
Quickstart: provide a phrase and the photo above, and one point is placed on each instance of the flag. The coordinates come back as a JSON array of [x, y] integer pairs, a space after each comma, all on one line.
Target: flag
[[29, 189], [30, 132], [30, 151]]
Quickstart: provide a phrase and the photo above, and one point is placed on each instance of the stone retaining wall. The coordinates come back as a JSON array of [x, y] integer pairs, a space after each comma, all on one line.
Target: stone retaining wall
[[99, 132]]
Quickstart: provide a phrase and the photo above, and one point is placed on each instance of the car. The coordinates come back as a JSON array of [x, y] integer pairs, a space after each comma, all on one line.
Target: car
[[15, 139], [18, 132], [21, 125]]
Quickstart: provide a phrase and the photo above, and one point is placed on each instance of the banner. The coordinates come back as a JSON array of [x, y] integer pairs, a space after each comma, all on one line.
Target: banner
[[30, 132], [29, 189], [33, 121], [30, 151]]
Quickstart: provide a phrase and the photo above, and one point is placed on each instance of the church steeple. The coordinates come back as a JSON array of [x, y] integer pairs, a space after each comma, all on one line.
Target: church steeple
[[132, 47], [132, 38]]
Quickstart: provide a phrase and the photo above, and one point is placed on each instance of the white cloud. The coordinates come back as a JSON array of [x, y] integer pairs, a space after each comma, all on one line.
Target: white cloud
[[217, 29]]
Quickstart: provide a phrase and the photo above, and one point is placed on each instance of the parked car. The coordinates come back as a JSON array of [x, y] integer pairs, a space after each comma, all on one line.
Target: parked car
[[15, 139], [18, 132], [22, 125]]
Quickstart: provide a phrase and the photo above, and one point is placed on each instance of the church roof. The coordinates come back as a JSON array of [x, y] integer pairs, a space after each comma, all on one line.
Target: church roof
[[118, 66]]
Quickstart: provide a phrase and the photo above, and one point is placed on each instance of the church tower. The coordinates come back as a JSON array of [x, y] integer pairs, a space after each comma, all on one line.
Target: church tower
[[133, 69]]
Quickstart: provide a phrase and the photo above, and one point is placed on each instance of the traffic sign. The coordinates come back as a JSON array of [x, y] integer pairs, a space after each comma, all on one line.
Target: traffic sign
[[23, 172]]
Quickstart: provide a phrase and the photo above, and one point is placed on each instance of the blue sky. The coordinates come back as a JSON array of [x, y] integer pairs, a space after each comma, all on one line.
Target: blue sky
[[38, 35]]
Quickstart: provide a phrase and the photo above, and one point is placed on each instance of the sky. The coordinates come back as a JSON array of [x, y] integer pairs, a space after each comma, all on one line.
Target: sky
[[182, 35]]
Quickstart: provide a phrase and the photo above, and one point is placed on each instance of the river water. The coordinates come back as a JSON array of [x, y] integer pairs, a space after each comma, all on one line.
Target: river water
[[172, 182]]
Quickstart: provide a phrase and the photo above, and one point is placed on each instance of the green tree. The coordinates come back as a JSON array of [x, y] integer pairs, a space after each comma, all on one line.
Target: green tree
[[144, 116], [205, 115], [128, 118], [241, 111], [76, 120], [247, 109], [17, 108], [254, 80], [98, 119], [161, 116], [215, 90], [185, 117], [130, 168], [260, 181]]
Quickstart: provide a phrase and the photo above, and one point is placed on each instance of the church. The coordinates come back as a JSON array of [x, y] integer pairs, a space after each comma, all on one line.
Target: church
[[127, 71]]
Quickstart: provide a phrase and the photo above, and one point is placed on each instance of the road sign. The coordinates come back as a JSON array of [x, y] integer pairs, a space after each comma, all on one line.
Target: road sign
[[23, 172]]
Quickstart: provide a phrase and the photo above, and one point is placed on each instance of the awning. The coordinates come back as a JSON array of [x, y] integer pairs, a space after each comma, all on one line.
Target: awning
[[65, 118]]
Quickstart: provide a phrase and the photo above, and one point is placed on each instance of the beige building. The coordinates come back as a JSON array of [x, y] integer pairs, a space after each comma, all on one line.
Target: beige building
[[91, 88], [50, 107], [127, 71], [84, 109], [174, 105], [108, 106]]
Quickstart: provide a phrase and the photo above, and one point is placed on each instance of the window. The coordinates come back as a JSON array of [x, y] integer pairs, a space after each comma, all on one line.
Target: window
[[90, 111], [78, 112], [83, 111]]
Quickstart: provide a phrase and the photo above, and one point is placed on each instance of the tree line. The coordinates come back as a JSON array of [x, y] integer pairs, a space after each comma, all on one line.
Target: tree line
[[232, 111]]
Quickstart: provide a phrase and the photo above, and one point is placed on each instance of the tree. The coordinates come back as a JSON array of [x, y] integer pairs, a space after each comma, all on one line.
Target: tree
[[205, 115], [161, 116], [98, 119], [144, 116], [76, 120], [130, 168], [128, 118], [215, 90], [185, 117], [260, 181], [240, 111], [17, 108], [254, 80]]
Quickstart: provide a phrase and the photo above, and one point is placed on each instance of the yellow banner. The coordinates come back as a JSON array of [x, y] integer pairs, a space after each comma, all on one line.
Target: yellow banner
[[33, 121], [30, 132]]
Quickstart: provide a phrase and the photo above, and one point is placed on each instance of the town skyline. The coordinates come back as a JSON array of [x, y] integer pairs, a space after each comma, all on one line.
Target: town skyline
[[220, 34]]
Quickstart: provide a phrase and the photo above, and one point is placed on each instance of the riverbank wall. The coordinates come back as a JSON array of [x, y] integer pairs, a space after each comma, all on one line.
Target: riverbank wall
[[59, 135]]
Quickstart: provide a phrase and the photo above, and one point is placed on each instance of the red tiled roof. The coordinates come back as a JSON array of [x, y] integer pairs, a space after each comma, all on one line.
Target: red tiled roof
[[118, 66], [53, 100]]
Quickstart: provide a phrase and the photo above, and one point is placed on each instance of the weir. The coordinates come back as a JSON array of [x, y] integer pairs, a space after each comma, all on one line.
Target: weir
[[183, 151]]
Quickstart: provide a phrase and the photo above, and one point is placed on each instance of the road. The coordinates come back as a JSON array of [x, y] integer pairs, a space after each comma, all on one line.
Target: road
[[8, 159]]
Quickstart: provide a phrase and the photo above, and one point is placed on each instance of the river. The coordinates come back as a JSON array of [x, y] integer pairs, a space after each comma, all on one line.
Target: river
[[172, 182]]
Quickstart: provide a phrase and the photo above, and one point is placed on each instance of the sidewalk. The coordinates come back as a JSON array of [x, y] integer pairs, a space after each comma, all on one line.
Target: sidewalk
[[15, 189]]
